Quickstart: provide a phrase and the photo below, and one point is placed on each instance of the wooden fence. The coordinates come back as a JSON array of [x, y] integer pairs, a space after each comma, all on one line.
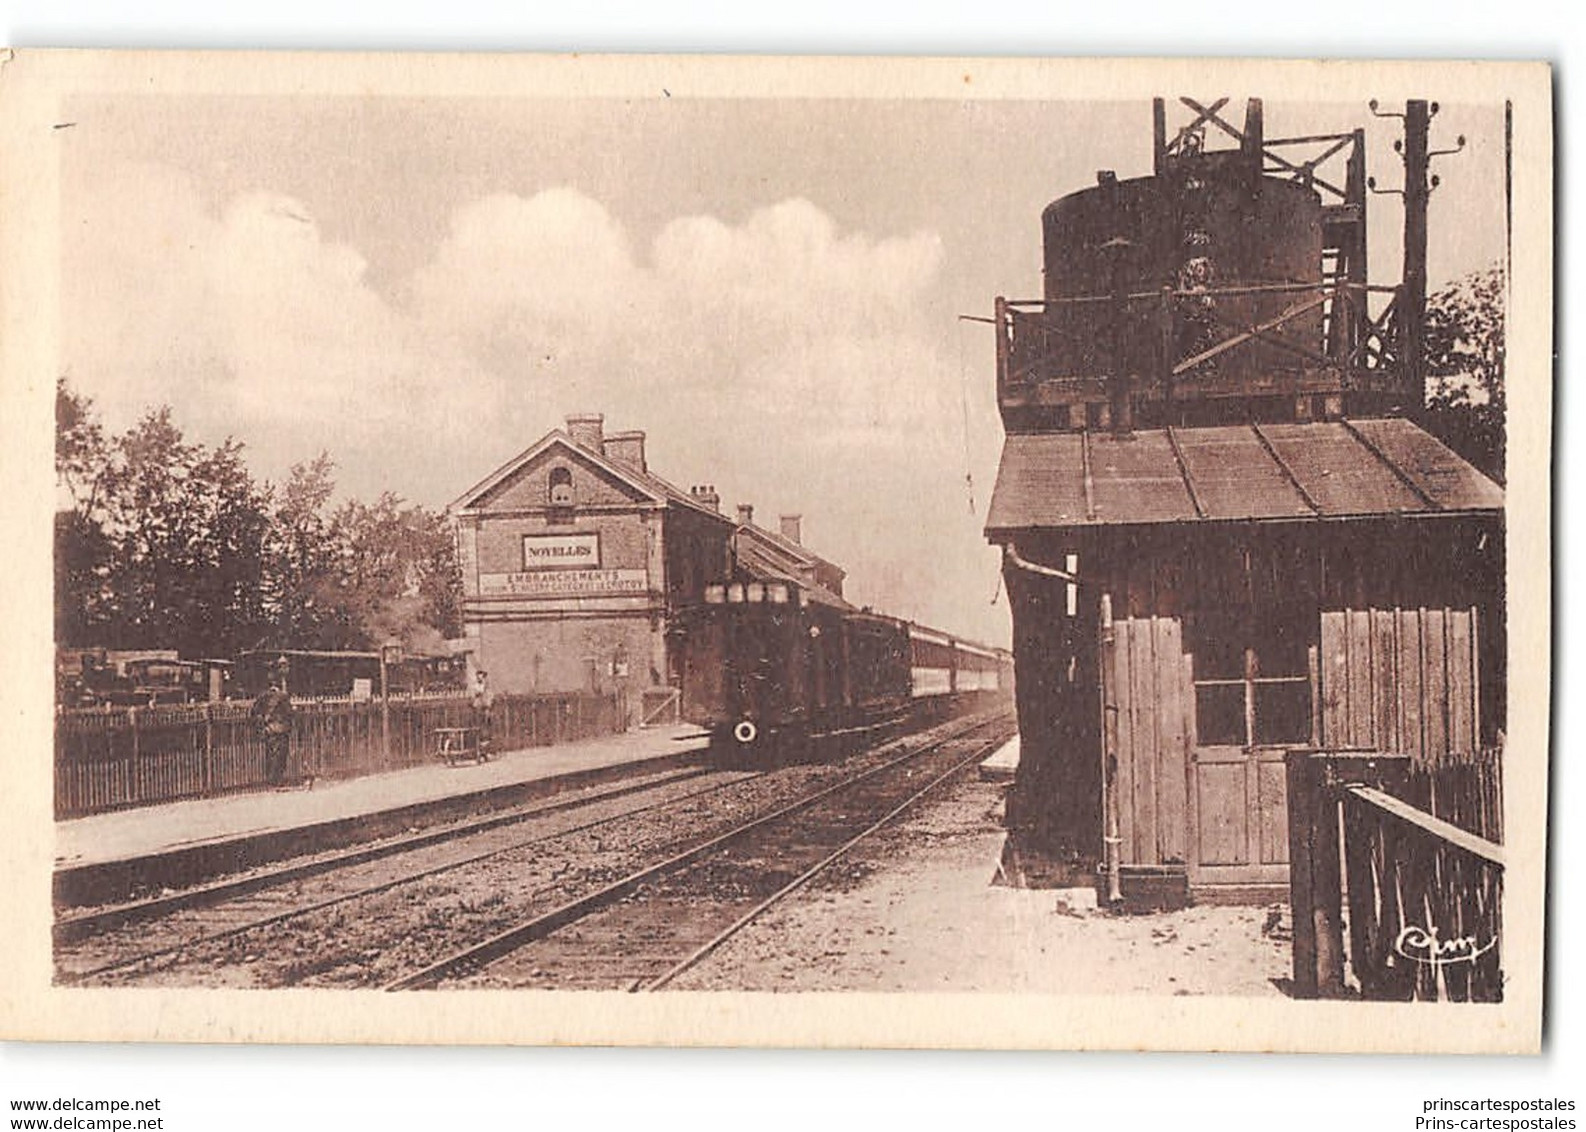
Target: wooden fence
[[112, 758], [1396, 877]]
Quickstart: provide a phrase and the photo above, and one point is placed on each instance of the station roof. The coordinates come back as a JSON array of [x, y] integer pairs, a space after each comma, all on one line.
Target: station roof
[[790, 556], [763, 567], [1269, 472], [646, 484]]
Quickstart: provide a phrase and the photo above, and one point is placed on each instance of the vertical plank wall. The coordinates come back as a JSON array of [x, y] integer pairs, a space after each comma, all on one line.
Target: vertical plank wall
[[1148, 684], [1402, 680]]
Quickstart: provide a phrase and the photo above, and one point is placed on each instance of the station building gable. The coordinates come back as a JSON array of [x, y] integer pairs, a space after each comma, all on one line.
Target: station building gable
[[575, 559], [525, 484]]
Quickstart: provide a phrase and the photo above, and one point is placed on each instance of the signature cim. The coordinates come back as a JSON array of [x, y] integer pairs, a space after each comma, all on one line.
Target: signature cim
[[1421, 945]]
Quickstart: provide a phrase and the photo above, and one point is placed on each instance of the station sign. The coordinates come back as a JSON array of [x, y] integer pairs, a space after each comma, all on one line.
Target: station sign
[[563, 583], [561, 552]]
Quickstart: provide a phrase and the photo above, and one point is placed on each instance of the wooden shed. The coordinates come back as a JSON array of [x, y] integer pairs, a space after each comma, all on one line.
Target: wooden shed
[[1190, 604]]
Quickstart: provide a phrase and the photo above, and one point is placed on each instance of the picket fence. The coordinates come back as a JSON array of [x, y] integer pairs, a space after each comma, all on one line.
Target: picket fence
[[116, 757]]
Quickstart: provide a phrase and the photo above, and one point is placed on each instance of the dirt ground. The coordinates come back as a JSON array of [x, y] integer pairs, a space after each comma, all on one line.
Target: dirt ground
[[922, 907]]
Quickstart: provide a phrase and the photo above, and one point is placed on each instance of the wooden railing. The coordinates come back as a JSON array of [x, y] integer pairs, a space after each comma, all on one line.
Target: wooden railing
[[1064, 344], [111, 758], [658, 706], [1390, 900]]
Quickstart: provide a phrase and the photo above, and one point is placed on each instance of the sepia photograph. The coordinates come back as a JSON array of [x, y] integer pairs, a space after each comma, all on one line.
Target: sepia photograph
[[780, 551]]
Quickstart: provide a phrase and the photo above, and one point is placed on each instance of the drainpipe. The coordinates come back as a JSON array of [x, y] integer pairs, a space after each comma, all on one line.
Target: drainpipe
[[1111, 840]]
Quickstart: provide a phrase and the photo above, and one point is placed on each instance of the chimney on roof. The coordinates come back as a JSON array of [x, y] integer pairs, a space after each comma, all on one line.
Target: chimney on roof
[[705, 495], [746, 514], [626, 449], [790, 527], [585, 429]]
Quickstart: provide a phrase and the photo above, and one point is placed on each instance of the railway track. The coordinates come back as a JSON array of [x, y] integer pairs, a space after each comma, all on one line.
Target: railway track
[[646, 928], [89, 945], [371, 915]]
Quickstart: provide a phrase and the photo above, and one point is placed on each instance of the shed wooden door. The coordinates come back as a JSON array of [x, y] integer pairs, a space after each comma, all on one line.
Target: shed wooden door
[[1252, 698], [1144, 681], [1238, 816]]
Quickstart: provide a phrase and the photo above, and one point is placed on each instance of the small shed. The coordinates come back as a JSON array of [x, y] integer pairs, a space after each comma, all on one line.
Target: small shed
[[1189, 604]]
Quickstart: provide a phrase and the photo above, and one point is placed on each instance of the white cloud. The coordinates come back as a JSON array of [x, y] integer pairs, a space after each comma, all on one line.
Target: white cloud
[[249, 323], [135, 315], [782, 358], [520, 268], [782, 314]]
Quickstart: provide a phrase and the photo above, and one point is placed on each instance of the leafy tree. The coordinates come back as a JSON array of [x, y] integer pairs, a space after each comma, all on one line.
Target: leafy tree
[[165, 543], [81, 453], [303, 585], [83, 550], [227, 609], [1465, 403], [82, 568], [399, 572], [188, 526]]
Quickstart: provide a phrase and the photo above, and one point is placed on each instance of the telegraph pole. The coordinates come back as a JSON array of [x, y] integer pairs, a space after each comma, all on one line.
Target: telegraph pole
[[1417, 191], [1418, 186]]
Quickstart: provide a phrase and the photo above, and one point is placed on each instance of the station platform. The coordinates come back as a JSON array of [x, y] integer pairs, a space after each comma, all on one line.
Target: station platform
[[1003, 763], [106, 857]]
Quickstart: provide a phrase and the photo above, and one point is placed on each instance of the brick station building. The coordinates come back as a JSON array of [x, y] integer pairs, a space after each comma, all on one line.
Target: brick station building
[[576, 559]]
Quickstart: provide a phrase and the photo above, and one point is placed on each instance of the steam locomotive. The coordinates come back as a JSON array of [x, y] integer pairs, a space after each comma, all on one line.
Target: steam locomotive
[[776, 669]]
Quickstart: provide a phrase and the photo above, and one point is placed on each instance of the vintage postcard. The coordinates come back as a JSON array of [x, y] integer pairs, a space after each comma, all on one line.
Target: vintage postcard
[[778, 551]]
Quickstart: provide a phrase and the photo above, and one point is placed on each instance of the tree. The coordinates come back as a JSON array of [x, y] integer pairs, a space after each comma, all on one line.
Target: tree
[[162, 543], [399, 572], [83, 550], [303, 586], [188, 526], [82, 569], [166, 543], [1465, 403], [81, 454]]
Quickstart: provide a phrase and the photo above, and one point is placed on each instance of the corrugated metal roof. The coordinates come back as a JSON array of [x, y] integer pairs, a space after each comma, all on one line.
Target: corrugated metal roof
[[1135, 477], [1331, 469]]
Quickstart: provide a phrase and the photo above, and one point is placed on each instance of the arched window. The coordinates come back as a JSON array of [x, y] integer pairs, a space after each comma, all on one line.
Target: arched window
[[561, 487]]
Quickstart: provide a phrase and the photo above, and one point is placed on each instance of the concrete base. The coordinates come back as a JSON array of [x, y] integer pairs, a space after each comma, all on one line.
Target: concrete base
[[1003, 765], [1147, 888], [1026, 864], [1249, 894], [112, 857]]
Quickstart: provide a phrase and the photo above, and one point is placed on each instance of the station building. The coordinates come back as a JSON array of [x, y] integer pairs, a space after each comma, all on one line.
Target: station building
[[577, 558], [762, 555]]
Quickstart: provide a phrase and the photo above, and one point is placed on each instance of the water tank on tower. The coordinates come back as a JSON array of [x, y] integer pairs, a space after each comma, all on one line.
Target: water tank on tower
[[1194, 295]]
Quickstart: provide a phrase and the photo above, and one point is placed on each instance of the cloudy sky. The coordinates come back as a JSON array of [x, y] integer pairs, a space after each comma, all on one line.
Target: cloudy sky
[[769, 288]]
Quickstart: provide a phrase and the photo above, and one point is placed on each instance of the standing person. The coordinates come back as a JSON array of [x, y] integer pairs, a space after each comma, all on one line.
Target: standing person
[[482, 702], [272, 715]]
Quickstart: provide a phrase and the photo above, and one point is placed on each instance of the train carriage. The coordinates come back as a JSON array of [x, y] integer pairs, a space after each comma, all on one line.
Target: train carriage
[[951, 676], [782, 670], [776, 669]]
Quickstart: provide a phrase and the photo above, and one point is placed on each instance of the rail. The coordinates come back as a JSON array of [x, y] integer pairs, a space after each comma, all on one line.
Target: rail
[[476, 956], [115, 758], [1390, 900], [290, 898]]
